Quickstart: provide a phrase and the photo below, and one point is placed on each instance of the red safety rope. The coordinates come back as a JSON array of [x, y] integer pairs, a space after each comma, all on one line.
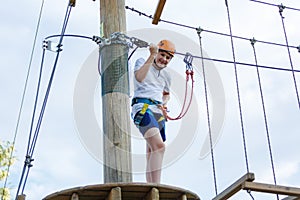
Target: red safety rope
[[184, 109]]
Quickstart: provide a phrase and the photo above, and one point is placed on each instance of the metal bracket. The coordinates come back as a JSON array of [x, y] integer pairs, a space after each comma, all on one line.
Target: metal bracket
[[139, 43], [120, 38], [101, 41], [115, 38], [51, 46]]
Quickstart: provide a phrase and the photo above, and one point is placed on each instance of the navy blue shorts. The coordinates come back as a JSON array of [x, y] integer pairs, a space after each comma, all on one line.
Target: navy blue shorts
[[151, 120]]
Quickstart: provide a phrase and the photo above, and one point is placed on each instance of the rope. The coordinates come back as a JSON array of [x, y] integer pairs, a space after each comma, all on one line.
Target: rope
[[237, 88], [239, 63], [270, 4], [264, 111], [36, 101], [208, 31], [249, 192], [24, 92], [31, 146], [189, 73], [207, 111], [132, 52], [27, 163], [70, 35], [243, 64], [289, 53]]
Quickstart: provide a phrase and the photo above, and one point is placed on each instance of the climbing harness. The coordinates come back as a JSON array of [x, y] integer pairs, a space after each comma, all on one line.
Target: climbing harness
[[139, 116], [144, 100]]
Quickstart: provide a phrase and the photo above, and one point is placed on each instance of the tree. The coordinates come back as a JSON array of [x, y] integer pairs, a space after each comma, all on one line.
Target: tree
[[6, 160]]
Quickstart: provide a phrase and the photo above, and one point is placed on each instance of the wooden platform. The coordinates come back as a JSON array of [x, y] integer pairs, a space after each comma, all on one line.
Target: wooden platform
[[124, 191]]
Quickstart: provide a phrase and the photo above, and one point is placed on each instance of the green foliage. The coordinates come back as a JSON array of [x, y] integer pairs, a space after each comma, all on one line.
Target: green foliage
[[6, 149]]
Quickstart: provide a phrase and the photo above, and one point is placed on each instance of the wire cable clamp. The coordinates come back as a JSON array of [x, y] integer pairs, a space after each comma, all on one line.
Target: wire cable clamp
[[28, 161], [253, 41], [52, 46]]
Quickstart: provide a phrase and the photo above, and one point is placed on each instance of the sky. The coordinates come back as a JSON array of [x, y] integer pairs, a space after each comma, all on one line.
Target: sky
[[67, 156]]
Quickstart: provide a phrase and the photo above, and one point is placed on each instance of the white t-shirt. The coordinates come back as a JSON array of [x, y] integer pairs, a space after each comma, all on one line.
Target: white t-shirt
[[152, 87]]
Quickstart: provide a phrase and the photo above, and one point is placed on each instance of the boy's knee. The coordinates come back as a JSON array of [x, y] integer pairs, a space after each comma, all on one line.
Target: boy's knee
[[160, 146]]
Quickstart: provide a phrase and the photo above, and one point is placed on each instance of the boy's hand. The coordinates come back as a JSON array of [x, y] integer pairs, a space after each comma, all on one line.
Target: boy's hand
[[164, 110], [153, 49]]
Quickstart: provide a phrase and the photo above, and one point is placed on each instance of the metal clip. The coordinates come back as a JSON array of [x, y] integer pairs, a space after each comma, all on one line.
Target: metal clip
[[188, 58]]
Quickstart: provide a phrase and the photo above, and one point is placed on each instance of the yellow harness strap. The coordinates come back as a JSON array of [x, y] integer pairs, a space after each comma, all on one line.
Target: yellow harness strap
[[140, 115], [144, 109], [161, 118]]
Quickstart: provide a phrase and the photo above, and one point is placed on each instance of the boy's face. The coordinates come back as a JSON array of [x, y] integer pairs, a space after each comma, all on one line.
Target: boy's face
[[162, 59]]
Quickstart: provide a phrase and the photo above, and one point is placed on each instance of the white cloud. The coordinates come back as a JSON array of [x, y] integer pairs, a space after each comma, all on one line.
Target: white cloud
[[285, 173]]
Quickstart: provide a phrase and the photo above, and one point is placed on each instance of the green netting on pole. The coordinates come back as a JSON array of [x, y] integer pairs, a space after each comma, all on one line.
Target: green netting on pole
[[114, 68]]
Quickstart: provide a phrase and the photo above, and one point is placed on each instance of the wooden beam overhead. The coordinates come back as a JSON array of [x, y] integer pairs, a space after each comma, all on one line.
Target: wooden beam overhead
[[158, 11], [72, 3]]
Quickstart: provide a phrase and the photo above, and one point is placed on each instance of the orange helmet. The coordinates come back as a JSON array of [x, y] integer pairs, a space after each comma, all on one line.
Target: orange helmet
[[168, 46]]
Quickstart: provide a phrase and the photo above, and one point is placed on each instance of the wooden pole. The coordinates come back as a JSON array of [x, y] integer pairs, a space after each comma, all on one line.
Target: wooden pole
[[115, 96]]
